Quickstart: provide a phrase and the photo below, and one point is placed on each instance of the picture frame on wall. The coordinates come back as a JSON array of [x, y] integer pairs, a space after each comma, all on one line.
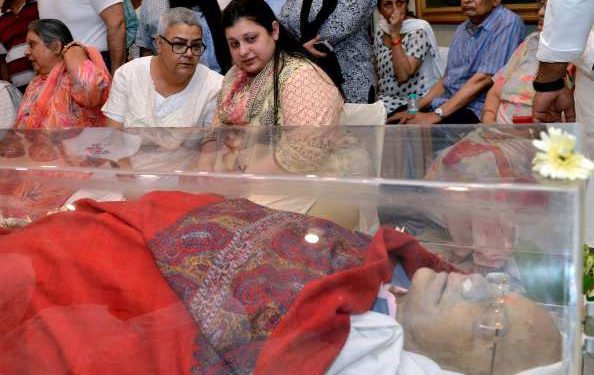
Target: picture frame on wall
[[450, 11]]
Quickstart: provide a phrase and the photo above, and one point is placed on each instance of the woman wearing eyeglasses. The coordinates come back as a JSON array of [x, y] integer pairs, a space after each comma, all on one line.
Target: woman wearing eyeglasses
[[168, 90]]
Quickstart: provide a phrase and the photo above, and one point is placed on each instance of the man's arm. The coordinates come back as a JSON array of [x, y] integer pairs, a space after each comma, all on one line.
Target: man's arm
[[437, 90], [566, 28], [478, 83], [556, 49], [113, 17]]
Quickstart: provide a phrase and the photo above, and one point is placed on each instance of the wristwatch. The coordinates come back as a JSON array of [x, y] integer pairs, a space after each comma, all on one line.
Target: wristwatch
[[438, 111]]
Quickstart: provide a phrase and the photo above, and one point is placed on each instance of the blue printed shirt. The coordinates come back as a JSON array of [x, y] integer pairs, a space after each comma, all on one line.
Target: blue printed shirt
[[484, 49], [150, 12]]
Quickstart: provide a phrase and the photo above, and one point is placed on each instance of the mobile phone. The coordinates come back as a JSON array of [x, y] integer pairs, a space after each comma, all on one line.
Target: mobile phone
[[323, 46]]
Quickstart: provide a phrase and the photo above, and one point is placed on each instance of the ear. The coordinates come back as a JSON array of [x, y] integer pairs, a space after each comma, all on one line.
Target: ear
[[56, 47], [158, 42], [275, 30]]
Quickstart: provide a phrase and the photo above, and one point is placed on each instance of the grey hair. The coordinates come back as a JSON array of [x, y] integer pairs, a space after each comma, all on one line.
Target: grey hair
[[51, 30], [177, 15]]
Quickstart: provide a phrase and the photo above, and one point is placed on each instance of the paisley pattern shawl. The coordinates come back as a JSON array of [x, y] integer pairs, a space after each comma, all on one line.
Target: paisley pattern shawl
[[249, 100], [238, 267]]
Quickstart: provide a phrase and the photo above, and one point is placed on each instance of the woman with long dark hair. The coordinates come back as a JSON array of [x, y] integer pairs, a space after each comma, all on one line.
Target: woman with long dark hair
[[272, 81], [216, 56]]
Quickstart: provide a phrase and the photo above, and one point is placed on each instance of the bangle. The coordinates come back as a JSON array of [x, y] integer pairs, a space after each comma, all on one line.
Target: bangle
[[69, 45], [396, 42], [548, 86]]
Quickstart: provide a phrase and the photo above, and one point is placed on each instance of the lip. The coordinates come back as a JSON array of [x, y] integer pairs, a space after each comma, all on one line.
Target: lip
[[248, 61], [467, 9]]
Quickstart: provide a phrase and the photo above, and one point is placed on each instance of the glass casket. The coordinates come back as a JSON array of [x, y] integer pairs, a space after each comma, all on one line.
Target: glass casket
[[287, 250]]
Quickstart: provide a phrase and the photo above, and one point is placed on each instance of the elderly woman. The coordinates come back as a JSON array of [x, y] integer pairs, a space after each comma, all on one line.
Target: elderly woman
[[72, 82], [406, 54], [171, 89], [510, 99]]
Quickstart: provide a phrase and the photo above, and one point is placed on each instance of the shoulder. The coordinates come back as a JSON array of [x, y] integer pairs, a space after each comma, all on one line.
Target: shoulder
[[133, 68], [507, 17], [461, 30], [419, 23], [230, 75], [101, 5], [297, 65], [302, 71], [208, 78]]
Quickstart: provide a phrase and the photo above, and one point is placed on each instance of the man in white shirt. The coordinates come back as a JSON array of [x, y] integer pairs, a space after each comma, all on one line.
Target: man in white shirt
[[96, 23], [168, 90], [563, 39]]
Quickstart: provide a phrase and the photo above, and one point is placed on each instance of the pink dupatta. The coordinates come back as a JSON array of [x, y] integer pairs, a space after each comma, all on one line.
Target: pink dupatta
[[39, 110]]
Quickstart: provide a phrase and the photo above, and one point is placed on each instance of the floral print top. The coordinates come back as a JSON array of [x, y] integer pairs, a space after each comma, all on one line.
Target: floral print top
[[76, 99], [515, 80]]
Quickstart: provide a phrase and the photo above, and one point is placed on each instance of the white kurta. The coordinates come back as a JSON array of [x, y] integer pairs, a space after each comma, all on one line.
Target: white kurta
[[566, 27], [134, 101]]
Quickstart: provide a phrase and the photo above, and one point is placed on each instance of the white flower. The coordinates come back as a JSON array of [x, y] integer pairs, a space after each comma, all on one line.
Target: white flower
[[558, 159]]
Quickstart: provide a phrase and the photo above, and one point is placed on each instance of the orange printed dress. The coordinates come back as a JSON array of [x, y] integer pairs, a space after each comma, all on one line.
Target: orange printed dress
[[65, 99]]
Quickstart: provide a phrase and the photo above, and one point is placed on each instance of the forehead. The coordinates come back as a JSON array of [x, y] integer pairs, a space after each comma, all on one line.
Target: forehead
[[243, 26], [33, 37], [388, 2], [183, 31]]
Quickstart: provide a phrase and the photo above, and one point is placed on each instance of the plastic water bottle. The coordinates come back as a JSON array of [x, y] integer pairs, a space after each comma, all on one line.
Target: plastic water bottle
[[412, 104]]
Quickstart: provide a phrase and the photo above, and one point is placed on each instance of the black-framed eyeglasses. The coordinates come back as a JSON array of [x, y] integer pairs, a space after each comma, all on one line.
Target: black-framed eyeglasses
[[181, 48]]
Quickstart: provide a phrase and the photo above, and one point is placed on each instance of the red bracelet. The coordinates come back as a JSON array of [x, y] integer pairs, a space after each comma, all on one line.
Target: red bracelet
[[396, 42]]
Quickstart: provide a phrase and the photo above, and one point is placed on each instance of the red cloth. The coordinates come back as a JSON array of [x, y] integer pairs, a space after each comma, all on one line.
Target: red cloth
[[81, 294], [84, 296], [314, 330]]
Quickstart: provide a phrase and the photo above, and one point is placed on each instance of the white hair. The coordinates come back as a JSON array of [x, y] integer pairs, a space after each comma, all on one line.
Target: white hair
[[177, 15]]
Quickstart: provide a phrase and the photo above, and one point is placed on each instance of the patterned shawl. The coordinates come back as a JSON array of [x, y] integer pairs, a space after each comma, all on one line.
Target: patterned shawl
[[247, 272], [249, 100]]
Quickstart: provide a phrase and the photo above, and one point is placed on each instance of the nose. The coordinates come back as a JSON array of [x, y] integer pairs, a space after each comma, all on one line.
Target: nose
[[28, 51], [243, 49], [188, 52]]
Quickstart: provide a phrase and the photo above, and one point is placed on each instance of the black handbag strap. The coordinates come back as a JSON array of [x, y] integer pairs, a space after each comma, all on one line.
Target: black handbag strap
[[310, 29]]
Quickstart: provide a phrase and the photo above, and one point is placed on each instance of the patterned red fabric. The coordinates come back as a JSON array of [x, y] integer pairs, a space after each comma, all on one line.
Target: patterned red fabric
[[82, 295], [314, 330], [234, 284]]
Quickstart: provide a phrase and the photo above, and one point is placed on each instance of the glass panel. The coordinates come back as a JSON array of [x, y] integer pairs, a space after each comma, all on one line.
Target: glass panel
[[274, 250]]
